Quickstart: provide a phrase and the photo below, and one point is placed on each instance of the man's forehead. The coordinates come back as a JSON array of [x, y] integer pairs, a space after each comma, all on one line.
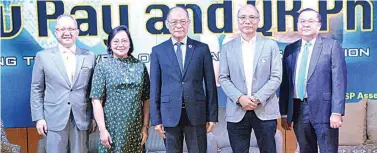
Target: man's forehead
[[178, 13], [308, 14], [65, 21], [248, 11]]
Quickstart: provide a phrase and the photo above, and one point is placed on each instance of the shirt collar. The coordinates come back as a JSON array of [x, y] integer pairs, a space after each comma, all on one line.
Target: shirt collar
[[63, 49], [311, 42], [252, 40], [184, 40]]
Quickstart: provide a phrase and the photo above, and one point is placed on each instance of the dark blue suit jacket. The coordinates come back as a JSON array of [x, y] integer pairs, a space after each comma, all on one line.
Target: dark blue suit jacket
[[326, 85], [169, 87]]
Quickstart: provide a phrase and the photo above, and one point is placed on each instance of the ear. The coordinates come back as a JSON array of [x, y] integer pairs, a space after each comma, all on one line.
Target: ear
[[56, 33], [188, 23], [167, 24], [77, 31], [319, 26]]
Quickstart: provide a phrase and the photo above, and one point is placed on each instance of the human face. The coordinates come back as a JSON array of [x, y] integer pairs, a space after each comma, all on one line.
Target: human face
[[248, 20], [120, 44], [66, 31], [308, 25], [178, 23]]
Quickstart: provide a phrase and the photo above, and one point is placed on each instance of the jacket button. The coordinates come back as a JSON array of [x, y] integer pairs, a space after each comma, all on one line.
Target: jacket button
[[69, 103], [183, 82], [70, 90]]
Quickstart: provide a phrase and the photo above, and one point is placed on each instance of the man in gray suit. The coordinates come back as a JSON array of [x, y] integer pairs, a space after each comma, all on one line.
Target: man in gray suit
[[60, 83], [250, 74]]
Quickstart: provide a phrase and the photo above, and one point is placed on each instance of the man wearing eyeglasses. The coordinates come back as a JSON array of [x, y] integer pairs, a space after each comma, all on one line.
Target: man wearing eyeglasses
[[250, 74], [180, 107], [313, 90], [59, 91]]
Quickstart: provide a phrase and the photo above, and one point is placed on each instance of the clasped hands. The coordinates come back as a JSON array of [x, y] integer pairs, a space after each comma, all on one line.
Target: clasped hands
[[248, 103]]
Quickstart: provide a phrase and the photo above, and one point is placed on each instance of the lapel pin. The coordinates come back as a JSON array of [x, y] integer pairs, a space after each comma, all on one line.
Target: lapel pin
[[190, 46], [263, 60]]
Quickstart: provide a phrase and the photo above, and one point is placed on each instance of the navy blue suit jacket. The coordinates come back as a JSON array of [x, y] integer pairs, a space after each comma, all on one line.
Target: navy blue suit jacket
[[170, 87], [326, 83]]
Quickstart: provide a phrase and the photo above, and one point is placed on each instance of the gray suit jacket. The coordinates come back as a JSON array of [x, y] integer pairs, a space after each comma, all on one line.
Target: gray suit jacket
[[266, 80], [53, 97]]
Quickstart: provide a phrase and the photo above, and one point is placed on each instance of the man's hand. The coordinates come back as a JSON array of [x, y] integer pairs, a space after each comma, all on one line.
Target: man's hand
[[210, 126], [255, 100], [93, 126], [144, 135], [247, 103], [284, 124], [335, 121], [42, 127], [160, 130]]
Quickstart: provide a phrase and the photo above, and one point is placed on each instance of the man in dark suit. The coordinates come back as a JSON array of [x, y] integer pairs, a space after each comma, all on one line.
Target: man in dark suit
[[180, 106], [312, 94]]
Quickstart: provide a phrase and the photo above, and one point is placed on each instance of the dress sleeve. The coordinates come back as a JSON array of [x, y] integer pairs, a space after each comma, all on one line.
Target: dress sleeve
[[98, 81]]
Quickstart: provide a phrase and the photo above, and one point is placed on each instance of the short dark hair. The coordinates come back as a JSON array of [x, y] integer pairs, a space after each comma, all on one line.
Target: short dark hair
[[310, 9], [175, 7], [113, 33]]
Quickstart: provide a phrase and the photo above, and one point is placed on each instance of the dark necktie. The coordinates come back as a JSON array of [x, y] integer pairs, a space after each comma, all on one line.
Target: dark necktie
[[178, 53]]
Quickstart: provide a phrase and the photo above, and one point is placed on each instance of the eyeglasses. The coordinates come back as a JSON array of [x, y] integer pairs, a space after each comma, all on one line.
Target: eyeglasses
[[176, 22], [252, 19], [116, 42], [307, 22], [66, 29]]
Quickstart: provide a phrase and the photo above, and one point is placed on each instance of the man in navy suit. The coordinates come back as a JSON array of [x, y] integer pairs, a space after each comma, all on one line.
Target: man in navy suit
[[180, 106], [312, 93]]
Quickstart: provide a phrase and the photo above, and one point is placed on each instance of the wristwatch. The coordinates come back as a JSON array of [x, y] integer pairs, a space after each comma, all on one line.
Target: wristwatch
[[258, 101], [238, 103]]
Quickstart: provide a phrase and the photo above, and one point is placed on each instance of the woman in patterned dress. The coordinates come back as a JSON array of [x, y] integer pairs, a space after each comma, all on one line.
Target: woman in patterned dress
[[123, 118]]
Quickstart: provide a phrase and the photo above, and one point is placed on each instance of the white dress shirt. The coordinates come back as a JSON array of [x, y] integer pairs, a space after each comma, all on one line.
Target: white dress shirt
[[69, 58], [248, 50], [299, 57], [183, 48]]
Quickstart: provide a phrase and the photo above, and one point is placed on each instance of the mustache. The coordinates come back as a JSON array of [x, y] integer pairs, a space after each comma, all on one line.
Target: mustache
[[66, 36]]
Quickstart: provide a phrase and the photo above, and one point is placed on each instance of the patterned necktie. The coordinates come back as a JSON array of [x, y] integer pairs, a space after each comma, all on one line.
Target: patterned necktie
[[302, 72], [70, 63], [178, 53]]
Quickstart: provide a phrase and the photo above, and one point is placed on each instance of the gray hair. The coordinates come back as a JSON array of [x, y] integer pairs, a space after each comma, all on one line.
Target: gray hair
[[67, 16], [238, 12], [177, 7]]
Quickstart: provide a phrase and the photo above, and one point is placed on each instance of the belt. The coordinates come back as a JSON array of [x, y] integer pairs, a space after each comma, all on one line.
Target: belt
[[299, 100]]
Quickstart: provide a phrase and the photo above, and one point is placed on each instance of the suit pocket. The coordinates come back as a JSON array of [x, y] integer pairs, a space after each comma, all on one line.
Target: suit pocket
[[165, 99], [265, 59], [326, 96]]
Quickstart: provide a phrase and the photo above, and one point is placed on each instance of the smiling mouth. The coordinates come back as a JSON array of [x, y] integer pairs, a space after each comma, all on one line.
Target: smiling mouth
[[120, 48]]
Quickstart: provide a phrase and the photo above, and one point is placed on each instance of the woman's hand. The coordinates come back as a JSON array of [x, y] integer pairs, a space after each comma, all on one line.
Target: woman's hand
[[106, 138]]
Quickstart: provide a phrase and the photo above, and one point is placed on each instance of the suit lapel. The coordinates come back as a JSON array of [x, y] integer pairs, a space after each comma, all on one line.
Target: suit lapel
[[294, 59], [171, 54], [189, 51], [237, 49], [315, 56], [58, 60], [79, 61], [258, 50]]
